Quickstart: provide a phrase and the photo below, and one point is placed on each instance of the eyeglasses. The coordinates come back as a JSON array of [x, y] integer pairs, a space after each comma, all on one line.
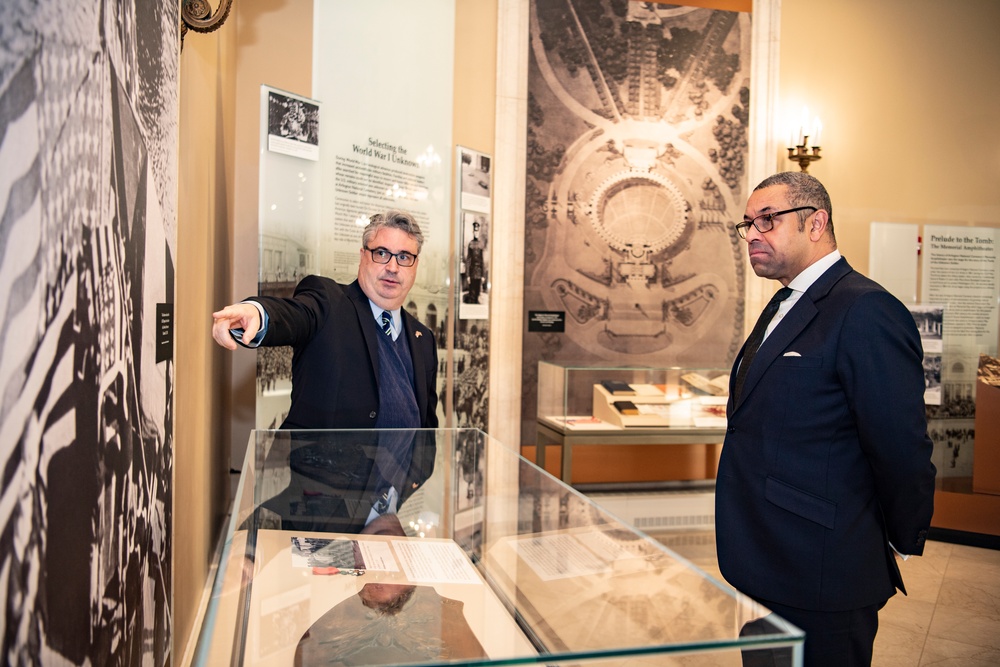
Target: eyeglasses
[[383, 256], [765, 223]]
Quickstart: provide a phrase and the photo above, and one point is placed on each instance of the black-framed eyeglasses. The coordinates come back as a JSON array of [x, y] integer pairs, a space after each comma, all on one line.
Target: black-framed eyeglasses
[[765, 223], [383, 256]]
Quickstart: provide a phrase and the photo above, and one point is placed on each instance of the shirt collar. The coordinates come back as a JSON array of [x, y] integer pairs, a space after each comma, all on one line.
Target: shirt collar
[[811, 273]]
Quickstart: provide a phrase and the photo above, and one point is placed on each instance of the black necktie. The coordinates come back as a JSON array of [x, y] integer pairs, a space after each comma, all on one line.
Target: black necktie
[[756, 338], [386, 323]]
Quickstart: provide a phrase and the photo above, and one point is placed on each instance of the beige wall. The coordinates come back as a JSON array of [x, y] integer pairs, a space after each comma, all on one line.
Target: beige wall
[[908, 92], [475, 74], [221, 74], [203, 261]]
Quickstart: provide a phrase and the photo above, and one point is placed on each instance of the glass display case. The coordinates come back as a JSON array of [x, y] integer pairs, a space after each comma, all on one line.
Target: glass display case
[[581, 397], [616, 405], [446, 547]]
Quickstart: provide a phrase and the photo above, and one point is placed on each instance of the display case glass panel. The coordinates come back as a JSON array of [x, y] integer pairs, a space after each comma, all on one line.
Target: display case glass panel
[[594, 397], [446, 547]]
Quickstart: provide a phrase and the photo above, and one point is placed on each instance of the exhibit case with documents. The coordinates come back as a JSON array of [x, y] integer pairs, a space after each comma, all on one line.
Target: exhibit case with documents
[[579, 397], [421, 547], [594, 405]]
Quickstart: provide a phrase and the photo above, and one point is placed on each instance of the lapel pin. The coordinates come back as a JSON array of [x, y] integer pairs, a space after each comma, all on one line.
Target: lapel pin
[[418, 334]]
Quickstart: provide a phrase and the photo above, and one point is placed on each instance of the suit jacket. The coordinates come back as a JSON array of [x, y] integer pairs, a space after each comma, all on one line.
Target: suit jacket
[[335, 366], [826, 458]]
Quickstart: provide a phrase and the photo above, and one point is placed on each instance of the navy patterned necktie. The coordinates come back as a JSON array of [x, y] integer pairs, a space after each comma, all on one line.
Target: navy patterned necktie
[[386, 323], [756, 338]]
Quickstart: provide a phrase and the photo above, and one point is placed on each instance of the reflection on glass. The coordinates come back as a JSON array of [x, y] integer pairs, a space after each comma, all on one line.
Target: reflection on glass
[[520, 567]]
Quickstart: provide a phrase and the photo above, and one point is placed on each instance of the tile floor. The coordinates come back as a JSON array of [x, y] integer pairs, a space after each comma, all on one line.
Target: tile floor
[[950, 618]]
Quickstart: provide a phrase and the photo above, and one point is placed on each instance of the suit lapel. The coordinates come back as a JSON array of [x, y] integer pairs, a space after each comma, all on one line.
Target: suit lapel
[[790, 326], [793, 323], [368, 326], [419, 387]]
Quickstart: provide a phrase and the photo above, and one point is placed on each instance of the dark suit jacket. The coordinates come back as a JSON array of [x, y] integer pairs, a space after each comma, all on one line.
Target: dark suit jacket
[[827, 459], [335, 356]]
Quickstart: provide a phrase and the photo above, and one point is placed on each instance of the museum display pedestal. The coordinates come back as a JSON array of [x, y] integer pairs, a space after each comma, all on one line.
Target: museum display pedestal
[[473, 554], [986, 461]]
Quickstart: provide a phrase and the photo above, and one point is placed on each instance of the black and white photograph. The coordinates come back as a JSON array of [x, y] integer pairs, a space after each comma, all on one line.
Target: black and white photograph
[[958, 400], [471, 386], [932, 379], [475, 267], [636, 170], [472, 327], [930, 323], [470, 454], [292, 125], [953, 440], [474, 181], [89, 111]]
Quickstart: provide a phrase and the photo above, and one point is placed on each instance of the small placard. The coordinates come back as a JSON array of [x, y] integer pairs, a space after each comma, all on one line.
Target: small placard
[[547, 320], [164, 332]]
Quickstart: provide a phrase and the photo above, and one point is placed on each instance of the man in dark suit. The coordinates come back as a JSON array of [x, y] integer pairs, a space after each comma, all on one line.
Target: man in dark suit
[[826, 470], [359, 362], [346, 372]]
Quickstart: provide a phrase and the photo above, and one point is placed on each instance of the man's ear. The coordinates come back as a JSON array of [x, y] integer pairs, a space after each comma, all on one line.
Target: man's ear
[[817, 227]]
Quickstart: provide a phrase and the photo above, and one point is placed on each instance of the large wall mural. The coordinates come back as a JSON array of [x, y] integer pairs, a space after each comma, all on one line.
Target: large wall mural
[[637, 119], [88, 188]]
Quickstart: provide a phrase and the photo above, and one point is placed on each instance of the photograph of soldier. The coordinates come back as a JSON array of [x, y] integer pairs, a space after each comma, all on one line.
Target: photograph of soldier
[[475, 284]]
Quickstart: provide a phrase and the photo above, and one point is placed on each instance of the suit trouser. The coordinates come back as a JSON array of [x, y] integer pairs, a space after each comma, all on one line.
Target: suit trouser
[[833, 638]]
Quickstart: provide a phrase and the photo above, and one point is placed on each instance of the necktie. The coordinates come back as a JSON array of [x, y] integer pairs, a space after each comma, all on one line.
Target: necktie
[[386, 323], [756, 338]]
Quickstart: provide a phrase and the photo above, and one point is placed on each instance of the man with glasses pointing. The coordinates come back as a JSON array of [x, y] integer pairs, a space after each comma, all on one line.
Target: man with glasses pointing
[[826, 474], [359, 360]]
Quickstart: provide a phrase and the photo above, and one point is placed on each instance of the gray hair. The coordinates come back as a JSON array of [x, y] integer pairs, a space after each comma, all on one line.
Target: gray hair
[[803, 190], [396, 220]]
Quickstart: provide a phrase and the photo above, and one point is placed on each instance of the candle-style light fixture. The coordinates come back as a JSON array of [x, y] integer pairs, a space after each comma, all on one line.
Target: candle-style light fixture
[[197, 15], [801, 150]]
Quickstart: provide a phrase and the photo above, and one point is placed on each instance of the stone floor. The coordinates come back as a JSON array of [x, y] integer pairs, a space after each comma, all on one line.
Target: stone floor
[[951, 616]]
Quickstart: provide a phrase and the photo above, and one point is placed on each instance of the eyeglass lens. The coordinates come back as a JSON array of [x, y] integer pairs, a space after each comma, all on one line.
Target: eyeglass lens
[[383, 256]]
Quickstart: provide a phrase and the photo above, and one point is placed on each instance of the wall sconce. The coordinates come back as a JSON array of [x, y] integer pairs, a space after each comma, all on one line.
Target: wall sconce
[[197, 15], [800, 150]]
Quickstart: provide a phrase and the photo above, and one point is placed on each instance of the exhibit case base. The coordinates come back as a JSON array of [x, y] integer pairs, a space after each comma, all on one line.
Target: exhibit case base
[[446, 547]]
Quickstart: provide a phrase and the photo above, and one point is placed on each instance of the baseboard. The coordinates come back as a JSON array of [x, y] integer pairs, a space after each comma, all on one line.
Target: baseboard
[[965, 538], [651, 511]]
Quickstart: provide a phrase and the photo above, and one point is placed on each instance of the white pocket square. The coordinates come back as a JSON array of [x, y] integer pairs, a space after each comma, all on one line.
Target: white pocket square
[[791, 354]]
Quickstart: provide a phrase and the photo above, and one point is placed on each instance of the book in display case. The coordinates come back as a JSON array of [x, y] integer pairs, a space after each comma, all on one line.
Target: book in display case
[[446, 547]]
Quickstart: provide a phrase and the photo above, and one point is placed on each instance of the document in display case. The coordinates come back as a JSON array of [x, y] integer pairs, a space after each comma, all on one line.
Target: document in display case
[[375, 548]]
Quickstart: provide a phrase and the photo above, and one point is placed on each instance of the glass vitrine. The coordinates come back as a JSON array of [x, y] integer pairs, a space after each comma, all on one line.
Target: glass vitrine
[[446, 547], [587, 396]]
